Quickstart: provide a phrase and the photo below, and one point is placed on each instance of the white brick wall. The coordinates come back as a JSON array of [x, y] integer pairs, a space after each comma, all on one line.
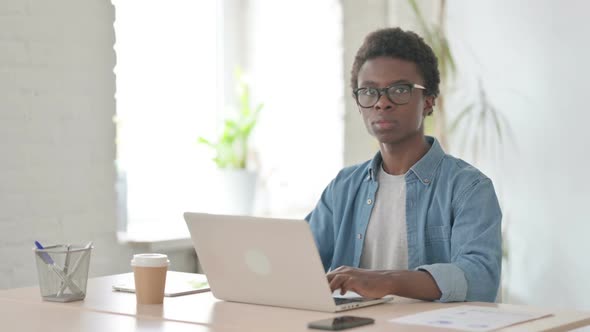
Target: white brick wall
[[56, 133]]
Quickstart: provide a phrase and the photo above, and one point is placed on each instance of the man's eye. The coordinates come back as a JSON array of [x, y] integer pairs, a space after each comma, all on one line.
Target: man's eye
[[368, 92], [400, 89]]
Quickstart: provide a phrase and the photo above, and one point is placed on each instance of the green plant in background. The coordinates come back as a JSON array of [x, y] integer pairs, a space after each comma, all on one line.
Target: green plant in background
[[231, 148], [480, 128], [434, 35], [479, 125]]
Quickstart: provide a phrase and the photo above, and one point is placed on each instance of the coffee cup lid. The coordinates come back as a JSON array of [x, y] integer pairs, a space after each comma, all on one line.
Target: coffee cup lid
[[150, 260]]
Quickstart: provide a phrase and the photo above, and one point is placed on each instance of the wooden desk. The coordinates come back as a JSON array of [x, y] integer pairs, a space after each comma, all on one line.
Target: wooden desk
[[20, 316], [215, 315]]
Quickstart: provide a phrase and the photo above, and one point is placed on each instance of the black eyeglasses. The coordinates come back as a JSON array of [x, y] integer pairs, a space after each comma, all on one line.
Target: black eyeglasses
[[398, 94]]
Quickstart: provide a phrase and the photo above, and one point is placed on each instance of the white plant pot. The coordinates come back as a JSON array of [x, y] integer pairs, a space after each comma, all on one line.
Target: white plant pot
[[237, 191]]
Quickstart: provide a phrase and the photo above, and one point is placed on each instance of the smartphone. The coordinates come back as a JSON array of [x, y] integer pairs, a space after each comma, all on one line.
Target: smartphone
[[340, 323]]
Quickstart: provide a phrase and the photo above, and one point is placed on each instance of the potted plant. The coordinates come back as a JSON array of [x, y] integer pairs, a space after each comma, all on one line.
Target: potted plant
[[238, 183], [479, 127]]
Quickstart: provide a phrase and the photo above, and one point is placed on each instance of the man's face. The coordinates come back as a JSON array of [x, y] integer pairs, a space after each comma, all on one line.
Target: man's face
[[388, 122]]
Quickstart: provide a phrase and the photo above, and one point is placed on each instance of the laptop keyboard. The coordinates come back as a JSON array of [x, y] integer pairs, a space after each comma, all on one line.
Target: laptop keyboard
[[339, 300]]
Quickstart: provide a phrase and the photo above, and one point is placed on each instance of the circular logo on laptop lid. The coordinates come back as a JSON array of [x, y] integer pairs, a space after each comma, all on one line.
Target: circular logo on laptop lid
[[257, 262]]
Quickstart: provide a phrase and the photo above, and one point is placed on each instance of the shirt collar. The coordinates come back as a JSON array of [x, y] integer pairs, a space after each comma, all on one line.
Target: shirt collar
[[424, 169]]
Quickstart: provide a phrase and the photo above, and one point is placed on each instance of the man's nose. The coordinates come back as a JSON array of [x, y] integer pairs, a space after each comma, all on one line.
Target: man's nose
[[383, 103]]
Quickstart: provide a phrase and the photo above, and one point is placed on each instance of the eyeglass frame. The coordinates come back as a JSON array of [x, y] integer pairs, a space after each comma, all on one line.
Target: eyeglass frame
[[383, 91]]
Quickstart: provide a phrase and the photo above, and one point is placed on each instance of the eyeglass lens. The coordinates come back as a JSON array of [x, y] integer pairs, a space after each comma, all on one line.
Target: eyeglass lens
[[397, 94]]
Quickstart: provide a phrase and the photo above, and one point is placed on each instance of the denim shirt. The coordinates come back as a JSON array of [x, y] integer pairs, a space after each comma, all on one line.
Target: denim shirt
[[453, 223]]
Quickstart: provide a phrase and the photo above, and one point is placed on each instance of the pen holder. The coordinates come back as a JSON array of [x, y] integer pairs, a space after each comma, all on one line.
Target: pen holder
[[63, 272]]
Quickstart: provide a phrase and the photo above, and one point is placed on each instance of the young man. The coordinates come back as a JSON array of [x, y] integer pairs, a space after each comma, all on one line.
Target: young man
[[413, 221]]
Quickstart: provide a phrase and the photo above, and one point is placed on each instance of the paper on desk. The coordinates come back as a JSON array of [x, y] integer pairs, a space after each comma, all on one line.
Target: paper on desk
[[177, 284], [470, 318]]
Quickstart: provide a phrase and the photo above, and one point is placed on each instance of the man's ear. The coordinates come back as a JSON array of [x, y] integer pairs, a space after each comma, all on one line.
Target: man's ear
[[429, 103]]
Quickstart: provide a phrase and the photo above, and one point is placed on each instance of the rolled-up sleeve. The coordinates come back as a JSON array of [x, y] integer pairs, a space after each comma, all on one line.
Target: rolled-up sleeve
[[476, 247], [450, 279]]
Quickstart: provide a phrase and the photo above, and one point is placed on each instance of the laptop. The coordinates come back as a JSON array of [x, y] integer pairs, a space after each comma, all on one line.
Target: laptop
[[265, 261]]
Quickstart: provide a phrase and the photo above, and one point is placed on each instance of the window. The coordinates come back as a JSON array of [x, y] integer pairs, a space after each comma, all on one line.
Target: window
[[172, 58], [295, 54], [166, 96]]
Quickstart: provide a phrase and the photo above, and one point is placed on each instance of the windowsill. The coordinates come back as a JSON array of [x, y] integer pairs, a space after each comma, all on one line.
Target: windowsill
[[157, 239]]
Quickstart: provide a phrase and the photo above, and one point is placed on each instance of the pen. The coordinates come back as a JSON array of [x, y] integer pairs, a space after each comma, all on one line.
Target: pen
[[44, 256], [67, 262], [76, 265], [64, 278], [62, 288]]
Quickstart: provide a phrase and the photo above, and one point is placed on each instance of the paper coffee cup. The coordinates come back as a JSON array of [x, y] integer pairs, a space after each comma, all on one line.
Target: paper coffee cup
[[149, 271]]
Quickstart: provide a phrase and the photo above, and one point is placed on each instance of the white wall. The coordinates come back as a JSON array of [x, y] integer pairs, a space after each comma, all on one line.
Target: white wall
[[533, 58], [56, 147], [57, 134]]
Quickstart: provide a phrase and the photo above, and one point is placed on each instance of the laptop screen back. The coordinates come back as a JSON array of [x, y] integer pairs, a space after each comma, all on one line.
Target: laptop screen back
[[260, 260]]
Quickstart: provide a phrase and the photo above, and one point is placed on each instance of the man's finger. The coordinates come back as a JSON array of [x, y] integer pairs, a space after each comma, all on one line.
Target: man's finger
[[348, 285], [331, 276], [338, 269], [337, 281], [335, 272]]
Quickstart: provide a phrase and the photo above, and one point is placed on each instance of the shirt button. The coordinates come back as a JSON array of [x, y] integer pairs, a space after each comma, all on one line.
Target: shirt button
[[359, 236], [426, 181], [369, 201]]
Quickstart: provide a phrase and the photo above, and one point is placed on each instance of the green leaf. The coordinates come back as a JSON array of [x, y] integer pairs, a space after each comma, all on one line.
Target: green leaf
[[465, 112], [203, 140], [423, 25], [232, 146], [247, 129], [449, 60], [497, 123], [257, 110], [482, 125]]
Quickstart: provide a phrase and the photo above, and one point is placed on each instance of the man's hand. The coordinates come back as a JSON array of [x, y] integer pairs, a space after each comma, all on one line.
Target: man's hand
[[367, 283], [376, 284]]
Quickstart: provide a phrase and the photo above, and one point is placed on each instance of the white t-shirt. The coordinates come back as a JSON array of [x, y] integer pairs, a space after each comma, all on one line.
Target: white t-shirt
[[386, 242]]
